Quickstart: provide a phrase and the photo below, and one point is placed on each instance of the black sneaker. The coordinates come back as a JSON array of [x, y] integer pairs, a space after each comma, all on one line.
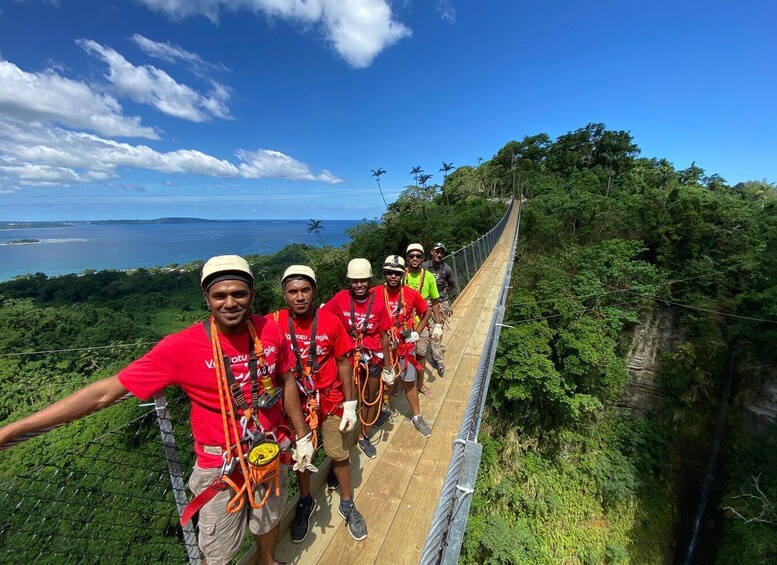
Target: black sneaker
[[301, 524], [385, 414], [366, 446], [357, 527], [331, 481], [441, 370]]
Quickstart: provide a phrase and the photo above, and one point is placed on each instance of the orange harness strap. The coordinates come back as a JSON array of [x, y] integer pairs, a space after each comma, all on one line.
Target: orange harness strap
[[233, 436]]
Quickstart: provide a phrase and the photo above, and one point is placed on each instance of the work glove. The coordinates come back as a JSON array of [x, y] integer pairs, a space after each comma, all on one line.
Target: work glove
[[413, 337], [303, 454], [437, 332], [348, 420], [388, 375]]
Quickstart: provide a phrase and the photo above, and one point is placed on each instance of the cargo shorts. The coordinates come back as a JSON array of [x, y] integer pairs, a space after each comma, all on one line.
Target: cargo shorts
[[222, 532]]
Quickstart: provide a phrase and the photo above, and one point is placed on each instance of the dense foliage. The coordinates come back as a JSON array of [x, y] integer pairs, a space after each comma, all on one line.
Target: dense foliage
[[610, 239]]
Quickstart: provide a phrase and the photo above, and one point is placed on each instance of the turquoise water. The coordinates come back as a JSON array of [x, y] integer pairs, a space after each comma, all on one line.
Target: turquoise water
[[73, 249]]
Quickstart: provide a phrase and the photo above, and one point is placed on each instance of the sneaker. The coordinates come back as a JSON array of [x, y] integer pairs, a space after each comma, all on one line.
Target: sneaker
[[301, 524], [357, 527], [367, 447], [422, 427], [331, 481], [441, 370], [384, 416]]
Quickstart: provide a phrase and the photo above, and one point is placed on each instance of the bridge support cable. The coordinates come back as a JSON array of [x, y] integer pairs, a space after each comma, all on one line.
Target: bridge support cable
[[446, 532]]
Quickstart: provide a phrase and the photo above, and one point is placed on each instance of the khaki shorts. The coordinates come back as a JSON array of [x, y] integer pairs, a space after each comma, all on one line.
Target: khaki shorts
[[336, 444], [221, 532], [422, 345]]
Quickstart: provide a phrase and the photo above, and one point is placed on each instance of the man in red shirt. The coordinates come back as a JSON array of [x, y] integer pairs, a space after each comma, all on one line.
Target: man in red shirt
[[215, 362], [319, 346], [409, 314], [367, 322]]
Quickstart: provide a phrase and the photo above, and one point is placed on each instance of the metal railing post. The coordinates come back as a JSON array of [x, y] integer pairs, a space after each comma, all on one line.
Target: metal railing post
[[176, 477], [466, 264], [456, 290]]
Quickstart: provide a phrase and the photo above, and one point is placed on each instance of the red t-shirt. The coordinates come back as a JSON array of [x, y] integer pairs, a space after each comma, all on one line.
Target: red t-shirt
[[399, 314], [331, 342], [340, 306], [186, 359]]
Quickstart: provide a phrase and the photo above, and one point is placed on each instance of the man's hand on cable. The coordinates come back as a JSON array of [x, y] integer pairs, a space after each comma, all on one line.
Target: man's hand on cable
[[437, 332], [388, 375], [413, 337], [348, 420], [303, 454]]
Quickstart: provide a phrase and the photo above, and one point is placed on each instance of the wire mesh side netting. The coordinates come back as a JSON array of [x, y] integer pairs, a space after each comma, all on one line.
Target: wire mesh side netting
[[108, 500]]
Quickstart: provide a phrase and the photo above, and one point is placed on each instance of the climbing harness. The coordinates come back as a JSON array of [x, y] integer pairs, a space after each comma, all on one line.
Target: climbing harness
[[304, 376], [360, 365], [405, 280], [253, 456]]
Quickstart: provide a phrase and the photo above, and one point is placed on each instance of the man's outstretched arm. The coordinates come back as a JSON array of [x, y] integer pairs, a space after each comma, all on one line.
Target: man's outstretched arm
[[89, 399]]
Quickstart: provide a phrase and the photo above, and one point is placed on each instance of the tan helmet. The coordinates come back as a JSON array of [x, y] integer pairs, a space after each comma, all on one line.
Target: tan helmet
[[394, 263], [359, 269], [225, 267], [415, 247], [298, 271]]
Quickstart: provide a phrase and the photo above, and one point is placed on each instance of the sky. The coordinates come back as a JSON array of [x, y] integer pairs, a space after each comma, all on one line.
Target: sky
[[251, 109]]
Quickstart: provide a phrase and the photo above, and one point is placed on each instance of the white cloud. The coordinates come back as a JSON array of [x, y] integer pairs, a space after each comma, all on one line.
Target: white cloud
[[49, 97], [266, 163], [447, 11], [148, 85], [173, 53], [34, 153], [358, 29]]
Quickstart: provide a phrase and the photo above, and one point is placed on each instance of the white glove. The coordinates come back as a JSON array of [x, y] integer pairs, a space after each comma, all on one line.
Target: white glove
[[303, 454], [413, 337], [348, 420], [437, 332], [388, 375]]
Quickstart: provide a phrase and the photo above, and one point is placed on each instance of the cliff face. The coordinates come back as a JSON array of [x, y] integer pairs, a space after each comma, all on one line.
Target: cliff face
[[653, 336]]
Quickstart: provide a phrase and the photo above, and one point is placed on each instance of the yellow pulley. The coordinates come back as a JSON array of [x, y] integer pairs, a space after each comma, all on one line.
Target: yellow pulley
[[264, 453]]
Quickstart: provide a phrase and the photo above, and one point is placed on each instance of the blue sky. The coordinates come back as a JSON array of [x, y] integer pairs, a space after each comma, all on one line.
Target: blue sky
[[281, 108]]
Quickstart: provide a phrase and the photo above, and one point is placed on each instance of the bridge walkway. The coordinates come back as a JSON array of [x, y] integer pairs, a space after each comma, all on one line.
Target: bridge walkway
[[397, 492]]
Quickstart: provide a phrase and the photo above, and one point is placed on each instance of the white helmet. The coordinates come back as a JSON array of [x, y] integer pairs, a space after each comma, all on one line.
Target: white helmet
[[394, 263], [225, 267], [359, 269], [297, 272]]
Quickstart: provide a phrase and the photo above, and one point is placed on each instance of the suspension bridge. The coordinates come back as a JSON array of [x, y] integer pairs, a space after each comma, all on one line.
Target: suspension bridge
[[411, 495]]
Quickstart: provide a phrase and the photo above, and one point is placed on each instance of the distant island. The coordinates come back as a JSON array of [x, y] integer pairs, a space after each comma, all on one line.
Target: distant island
[[30, 225], [28, 241]]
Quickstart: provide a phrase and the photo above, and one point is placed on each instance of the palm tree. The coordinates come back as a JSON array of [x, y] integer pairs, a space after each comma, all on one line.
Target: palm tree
[[316, 226], [377, 174], [415, 171], [446, 168], [423, 179]]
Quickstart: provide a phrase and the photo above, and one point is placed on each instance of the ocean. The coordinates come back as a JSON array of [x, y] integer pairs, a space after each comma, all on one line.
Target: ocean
[[73, 249]]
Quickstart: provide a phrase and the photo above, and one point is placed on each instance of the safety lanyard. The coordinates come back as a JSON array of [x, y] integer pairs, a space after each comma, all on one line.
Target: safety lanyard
[[365, 323], [254, 362], [312, 363], [406, 280]]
